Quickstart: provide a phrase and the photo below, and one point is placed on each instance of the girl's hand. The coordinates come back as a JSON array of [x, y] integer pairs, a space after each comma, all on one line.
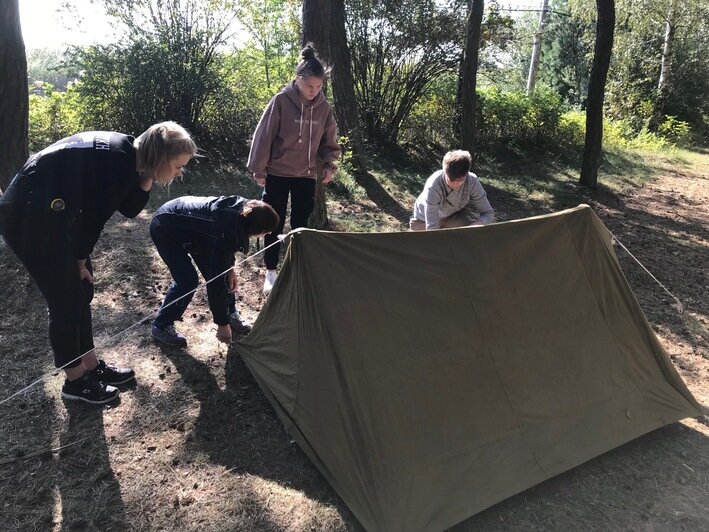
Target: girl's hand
[[146, 184], [326, 176], [84, 273], [260, 180], [231, 282], [224, 333]]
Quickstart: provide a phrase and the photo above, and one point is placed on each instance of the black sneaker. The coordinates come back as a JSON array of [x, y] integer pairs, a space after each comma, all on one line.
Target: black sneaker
[[112, 374], [168, 336], [89, 389]]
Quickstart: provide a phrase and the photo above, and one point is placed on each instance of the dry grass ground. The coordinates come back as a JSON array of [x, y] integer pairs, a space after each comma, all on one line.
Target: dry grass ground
[[194, 445]]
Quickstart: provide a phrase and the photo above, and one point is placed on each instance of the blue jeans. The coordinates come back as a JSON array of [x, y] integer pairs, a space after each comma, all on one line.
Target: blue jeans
[[168, 233]]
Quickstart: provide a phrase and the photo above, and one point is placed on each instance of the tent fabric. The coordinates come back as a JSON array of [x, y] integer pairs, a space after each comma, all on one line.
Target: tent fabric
[[430, 375]]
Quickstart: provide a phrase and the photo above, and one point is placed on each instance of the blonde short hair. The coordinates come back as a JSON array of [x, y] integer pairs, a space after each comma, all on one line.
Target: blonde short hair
[[456, 164], [160, 143]]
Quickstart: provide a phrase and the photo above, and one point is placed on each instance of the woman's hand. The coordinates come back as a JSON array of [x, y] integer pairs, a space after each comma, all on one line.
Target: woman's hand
[[326, 176], [84, 273], [260, 180], [231, 282], [224, 333], [146, 183]]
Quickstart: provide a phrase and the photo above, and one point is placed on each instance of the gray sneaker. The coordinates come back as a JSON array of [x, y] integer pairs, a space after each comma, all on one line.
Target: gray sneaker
[[168, 336]]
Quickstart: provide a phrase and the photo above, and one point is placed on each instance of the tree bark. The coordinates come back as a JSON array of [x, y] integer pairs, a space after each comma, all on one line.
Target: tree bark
[[343, 91], [596, 92], [469, 72], [317, 15], [664, 83], [536, 49], [14, 95]]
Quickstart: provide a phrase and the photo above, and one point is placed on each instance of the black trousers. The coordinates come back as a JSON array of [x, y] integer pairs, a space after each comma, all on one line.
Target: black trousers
[[302, 194], [41, 243]]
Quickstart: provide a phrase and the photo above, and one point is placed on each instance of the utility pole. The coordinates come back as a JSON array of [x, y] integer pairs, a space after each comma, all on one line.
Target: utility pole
[[536, 49]]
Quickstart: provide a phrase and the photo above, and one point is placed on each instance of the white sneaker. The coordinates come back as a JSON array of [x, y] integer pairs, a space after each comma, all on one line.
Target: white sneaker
[[269, 281]]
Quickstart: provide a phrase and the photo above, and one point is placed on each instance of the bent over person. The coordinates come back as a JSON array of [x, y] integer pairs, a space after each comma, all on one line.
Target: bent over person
[[52, 215], [208, 231], [452, 197]]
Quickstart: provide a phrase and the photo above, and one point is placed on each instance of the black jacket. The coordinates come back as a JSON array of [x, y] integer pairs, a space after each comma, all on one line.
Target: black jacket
[[213, 229], [79, 181]]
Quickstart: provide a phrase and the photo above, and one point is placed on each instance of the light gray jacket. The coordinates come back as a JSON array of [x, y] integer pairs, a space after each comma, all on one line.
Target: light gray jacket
[[438, 200]]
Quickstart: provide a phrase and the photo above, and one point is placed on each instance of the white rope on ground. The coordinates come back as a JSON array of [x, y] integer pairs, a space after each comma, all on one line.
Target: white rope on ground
[[144, 320], [679, 305]]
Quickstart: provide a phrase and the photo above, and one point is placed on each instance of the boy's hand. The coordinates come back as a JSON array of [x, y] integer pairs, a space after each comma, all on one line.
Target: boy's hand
[[224, 333]]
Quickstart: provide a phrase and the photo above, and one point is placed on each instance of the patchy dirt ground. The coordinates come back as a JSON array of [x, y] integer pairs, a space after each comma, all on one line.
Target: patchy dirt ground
[[194, 445]]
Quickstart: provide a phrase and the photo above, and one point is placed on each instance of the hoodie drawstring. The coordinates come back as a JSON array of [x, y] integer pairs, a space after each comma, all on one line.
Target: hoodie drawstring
[[310, 137], [300, 126]]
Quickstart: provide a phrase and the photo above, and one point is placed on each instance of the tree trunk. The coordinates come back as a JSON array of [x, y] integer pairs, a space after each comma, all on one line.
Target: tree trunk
[[317, 15], [664, 84], [596, 93], [536, 49], [14, 95], [343, 85], [469, 72]]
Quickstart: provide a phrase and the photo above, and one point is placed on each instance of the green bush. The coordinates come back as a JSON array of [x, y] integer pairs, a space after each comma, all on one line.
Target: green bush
[[52, 115], [514, 118], [676, 131], [572, 128], [431, 122]]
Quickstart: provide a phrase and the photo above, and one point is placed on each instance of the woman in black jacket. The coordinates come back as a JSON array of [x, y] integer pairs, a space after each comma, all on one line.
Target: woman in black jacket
[[208, 231], [52, 215]]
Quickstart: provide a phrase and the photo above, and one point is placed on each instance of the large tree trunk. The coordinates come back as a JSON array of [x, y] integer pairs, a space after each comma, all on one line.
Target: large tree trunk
[[469, 72], [317, 15], [536, 49], [596, 93], [14, 95], [343, 85], [664, 84]]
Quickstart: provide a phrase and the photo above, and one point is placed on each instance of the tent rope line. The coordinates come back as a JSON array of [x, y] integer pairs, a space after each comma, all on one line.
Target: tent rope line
[[680, 306], [141, 321], [680, 309]]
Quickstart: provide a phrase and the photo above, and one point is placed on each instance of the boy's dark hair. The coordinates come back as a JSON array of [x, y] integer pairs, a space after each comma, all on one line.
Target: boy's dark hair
[[456, 164], [311, 65], [260, 217]]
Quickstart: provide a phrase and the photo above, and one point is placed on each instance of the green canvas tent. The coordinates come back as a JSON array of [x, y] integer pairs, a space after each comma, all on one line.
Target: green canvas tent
[[430, 375]]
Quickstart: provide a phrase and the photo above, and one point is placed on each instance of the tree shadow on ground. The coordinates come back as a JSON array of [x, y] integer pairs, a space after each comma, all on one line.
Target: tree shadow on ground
[[26, 467], [381, 197], [89, 491], [238, 429], [656, 482]]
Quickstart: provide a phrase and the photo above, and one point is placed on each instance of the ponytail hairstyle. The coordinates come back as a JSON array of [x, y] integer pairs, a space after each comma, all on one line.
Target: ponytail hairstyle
[[260, 218], [311, 65], [160, 143]]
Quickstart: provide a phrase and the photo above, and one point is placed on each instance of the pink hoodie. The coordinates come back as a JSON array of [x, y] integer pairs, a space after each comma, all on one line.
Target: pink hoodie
[[292, 134]]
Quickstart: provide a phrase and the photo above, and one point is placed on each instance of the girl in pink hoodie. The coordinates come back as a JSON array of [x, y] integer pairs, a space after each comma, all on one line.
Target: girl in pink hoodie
[[297, 128]]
